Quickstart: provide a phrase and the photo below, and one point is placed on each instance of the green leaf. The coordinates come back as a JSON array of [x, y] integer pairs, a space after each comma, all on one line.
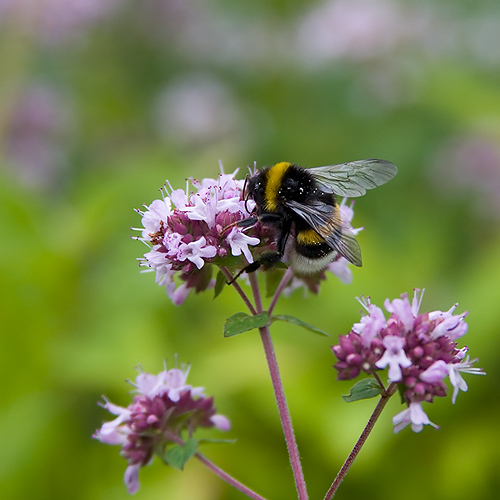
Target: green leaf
[[402, 390], [364, 389], [217, 441], [178, 455], [229, 261], [203, 278], [241, 323], [295, 321], [220, 283], [273, 279]]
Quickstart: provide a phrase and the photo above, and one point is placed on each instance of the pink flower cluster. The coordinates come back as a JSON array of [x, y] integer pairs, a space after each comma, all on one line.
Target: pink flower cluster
[[163, 407], [188, 230], [419, 349]]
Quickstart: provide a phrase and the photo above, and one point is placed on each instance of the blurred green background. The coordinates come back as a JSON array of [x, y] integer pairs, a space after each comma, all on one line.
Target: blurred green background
[[102, 100]]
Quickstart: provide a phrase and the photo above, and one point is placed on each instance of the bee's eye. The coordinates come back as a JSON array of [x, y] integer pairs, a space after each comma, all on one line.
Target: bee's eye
[[256, 191]]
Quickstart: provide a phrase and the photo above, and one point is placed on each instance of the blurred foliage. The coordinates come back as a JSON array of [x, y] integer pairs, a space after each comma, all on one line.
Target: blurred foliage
[[100, 102]]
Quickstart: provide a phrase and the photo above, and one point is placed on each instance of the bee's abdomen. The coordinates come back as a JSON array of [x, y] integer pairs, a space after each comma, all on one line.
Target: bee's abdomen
[[310, 259], [313, 251], [308, 237]]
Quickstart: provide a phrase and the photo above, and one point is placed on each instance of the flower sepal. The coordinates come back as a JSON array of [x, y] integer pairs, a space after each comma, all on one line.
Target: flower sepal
[[220, 283], [230, 261], [199, 279], [364, 389], [177, 455], [273, 278]]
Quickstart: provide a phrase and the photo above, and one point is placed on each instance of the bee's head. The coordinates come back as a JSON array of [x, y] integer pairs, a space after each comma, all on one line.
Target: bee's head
[[255, 187]]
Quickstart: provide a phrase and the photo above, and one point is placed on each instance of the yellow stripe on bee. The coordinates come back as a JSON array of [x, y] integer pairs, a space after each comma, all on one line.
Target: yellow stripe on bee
[[274, 180], [309, 237]]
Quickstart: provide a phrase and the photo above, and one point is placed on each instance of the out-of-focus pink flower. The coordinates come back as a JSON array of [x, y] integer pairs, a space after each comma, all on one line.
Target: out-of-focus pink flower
[[164, 407]]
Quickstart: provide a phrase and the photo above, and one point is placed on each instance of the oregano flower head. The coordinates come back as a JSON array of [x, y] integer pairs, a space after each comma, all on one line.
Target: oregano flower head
[[164, 409], [419, 349]]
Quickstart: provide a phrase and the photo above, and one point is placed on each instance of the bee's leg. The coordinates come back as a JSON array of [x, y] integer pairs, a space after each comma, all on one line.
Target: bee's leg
[[269, 259], [247, 269], [266, 260], [286, 226], [263, 218], [251, 221], [270, 218]]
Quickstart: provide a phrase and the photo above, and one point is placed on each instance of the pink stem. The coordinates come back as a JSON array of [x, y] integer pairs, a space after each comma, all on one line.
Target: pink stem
[[284, 282], [361, 441], [286, 421], [217, 470], [225, 271], [227, 478]]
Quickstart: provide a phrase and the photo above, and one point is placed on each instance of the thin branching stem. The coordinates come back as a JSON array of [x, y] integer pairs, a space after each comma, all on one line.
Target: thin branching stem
[[379, 380], [217, 470], [227, 478], [284, 282], [225, 271], [361, 441], [254, 283]]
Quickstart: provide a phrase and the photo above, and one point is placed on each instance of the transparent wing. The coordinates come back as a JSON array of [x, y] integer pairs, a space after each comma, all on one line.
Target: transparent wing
[[354, 178], [330, 224]]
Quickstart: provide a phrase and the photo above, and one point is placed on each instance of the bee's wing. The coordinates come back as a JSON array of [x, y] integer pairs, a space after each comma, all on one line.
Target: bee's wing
[[329, 222], [354, 178]]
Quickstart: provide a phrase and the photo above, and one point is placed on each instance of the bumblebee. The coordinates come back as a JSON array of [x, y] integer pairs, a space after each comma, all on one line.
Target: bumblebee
[[301, 203]]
